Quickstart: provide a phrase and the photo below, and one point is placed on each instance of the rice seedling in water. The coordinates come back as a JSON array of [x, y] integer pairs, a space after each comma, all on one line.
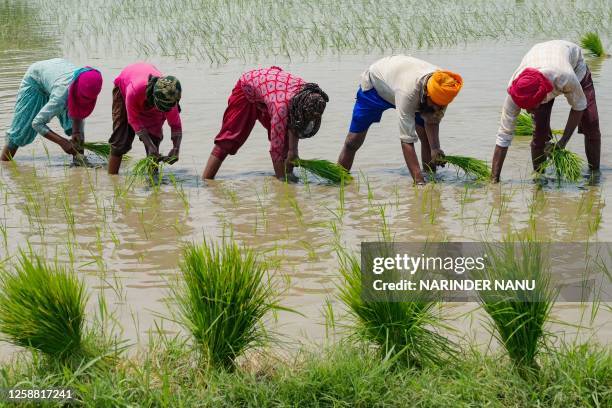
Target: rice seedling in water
[[405, 331], [472, 167], [518, 317], [217, 33], [591, 42], [325, 170], [223, 299], [42, 307], [566, 164], [147, 169]]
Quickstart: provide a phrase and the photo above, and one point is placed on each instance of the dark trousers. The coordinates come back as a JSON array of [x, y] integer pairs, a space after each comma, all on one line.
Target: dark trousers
[[123, 135]]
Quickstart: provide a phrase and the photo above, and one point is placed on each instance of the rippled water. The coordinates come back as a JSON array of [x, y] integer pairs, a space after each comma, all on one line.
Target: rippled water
[[127, 243]]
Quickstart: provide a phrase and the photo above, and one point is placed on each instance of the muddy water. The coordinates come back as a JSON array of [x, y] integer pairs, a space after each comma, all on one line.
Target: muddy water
[[127, 242]]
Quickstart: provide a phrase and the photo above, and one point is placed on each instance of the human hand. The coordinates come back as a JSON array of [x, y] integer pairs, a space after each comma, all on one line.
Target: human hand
[[77, 141], [173, 156], [549, 147], [68, 147], [437, 157]]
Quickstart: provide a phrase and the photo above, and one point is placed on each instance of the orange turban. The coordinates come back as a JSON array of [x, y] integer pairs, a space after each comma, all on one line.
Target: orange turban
[[443, 86]]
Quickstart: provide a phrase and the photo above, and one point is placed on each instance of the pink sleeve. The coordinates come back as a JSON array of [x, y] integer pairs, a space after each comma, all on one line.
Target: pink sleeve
[[278, 132], [174, 120], [133, 109]]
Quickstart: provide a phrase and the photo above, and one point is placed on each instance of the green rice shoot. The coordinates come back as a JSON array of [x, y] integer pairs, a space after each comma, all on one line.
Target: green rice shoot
[[100, 149], [472, 167], [224, 295], [147, 169], [567, 165], [526, 127], [405, 331], [518, 318], [592, 42], [42, 307], [325, 170]]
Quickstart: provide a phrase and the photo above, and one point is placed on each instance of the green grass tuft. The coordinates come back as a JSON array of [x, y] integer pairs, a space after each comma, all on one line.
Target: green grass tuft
[[518, 317], [223, 299], [567, 165], [42, 307], [591, 42], [472, 167], [325, 170], [402, 330]]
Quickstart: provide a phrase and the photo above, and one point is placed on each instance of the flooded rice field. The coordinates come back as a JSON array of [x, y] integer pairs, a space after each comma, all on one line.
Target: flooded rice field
[[126, 239]]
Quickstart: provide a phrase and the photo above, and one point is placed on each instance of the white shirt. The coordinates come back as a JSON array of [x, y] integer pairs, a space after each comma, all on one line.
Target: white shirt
[[401, 80], [559, 61]]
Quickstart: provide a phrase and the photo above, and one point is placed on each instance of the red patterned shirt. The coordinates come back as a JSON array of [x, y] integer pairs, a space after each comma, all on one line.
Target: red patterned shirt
[[273, 88]]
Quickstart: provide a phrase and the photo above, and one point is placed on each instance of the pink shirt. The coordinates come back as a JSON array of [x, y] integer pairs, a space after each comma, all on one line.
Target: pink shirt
[[132, 82], [273, 88]]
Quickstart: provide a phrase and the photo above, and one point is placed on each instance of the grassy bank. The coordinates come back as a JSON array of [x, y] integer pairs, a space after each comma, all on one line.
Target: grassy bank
[[342, 375], [394, 354]]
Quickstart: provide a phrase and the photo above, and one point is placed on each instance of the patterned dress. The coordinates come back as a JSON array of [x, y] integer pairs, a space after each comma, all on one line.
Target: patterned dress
[[260, 95]]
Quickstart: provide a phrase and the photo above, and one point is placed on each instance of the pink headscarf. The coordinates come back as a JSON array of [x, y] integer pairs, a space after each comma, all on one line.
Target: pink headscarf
[[529, 88], [83, 92]]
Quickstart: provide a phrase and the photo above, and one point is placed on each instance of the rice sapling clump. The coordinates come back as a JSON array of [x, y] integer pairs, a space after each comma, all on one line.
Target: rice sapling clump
[[147, 169], [42, 307], [592, 42], [472, 167], [405, 331], [525, 126], [325, 170], [567, 165], [518, 317], [223, 297], [100, 149]]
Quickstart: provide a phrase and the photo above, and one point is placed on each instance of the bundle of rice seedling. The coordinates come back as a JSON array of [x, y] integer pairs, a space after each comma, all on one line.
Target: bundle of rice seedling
[[325, 170], [100, 149], [42, 307], [524, 125], [406, 331], [472, 167], [518, 317], [222, 300], [147, 169], [567, 165], [591, 42]]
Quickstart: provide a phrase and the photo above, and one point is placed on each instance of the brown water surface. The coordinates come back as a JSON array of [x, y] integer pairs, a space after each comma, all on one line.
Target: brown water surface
[[127, 242]]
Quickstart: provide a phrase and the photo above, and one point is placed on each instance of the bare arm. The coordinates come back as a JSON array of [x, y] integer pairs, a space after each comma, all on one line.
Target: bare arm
[[65, 144], [573, 120], [283, 169], [433, 137], [499, 155], [412, 162], [150, 147], [78, 137]]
